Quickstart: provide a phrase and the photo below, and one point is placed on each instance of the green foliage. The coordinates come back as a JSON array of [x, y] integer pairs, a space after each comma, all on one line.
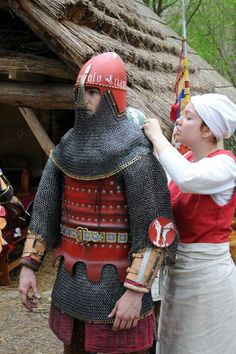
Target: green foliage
[[230, 144], [159, 6], [211, 31]]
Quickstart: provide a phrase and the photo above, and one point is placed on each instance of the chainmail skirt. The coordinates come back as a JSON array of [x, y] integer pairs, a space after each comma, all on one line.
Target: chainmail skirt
[[198, 310]]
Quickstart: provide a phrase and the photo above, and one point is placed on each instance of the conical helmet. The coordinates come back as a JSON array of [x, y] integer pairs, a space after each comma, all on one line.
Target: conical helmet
[[106, 72]]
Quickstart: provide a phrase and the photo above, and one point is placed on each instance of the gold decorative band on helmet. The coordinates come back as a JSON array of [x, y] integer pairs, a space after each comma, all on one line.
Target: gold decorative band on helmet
[[144, 268], [34, 247]]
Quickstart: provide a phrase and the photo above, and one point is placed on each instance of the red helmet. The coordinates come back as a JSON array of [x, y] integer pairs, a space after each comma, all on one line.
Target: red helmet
[[107, 72]]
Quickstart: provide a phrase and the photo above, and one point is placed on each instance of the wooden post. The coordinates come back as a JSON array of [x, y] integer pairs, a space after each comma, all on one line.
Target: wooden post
[[37, 129]]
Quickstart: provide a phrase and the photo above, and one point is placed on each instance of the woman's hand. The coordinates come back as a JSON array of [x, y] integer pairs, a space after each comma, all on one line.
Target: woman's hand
[[152, 129], [154, 133], [127, 310], [27, 283]]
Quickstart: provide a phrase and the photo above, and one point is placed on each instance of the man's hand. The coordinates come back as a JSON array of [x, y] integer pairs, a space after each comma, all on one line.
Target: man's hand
[[28, 282], [127, 310]]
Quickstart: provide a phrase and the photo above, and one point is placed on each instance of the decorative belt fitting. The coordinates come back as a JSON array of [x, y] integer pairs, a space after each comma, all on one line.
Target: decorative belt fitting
[[81, 234]]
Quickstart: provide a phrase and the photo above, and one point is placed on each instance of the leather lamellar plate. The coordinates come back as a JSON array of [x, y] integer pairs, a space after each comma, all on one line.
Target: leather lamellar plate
[[95, 256], [100, 144], [97, 205], [94, 226]]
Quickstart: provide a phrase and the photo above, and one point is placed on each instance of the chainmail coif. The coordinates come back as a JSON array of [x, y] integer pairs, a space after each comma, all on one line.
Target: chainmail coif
[[100, 144]]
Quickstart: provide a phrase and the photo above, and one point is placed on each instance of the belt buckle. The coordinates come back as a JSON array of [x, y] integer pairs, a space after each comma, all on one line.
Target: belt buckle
[[83, 231]]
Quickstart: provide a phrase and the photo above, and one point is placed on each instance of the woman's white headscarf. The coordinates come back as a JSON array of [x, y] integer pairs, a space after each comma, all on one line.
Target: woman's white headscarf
[[218, 112]]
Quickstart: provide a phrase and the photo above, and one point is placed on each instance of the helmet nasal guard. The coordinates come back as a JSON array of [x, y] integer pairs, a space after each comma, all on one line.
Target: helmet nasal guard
[[105, 72]]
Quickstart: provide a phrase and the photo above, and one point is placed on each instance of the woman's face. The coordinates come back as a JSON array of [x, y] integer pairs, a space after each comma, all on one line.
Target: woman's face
[[189, 127], [92, 99]]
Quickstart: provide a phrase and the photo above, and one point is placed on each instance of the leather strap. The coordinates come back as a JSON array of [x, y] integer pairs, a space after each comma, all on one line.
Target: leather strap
[[144, 268]]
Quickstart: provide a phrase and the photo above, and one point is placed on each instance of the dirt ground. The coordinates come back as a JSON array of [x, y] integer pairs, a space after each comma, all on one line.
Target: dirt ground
[[24, 332]]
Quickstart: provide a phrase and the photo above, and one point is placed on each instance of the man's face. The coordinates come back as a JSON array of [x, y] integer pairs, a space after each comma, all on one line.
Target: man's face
[[92, 99]]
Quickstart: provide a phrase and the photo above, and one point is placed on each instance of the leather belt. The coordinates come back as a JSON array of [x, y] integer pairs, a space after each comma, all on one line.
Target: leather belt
[[81, 234]]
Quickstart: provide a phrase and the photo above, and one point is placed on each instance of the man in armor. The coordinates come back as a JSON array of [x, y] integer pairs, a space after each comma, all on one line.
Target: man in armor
[[101, 191]]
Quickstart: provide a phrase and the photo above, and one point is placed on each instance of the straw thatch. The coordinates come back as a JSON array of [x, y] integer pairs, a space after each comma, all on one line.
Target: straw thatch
[[74, 30]]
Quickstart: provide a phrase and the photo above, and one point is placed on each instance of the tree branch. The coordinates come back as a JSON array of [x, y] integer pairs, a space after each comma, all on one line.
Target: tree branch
[[166, 7], [193, 13]]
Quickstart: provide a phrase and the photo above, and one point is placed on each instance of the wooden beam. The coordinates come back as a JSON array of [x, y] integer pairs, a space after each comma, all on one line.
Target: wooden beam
[[23, 76], [35, 65], [37, 95], [37, 129]]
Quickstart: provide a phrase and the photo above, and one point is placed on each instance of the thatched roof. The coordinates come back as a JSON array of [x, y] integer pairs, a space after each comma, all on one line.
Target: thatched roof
[[74, 30]]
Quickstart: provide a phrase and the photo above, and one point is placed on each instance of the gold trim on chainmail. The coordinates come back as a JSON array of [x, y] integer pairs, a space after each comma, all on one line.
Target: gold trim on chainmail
[[108, 174]]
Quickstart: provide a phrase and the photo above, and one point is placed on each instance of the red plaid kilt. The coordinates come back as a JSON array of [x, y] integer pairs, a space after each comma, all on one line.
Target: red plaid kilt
[[100, 337]]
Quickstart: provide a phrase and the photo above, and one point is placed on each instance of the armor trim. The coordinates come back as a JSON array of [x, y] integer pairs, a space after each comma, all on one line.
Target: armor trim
[[109, 174]]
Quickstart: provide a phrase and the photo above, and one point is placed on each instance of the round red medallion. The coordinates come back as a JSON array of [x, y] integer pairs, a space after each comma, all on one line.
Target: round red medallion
[[162, 232]]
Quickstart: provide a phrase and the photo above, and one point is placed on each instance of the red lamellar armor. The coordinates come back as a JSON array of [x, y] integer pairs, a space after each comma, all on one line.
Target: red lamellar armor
[[107, 72], [96, 205], [94, 226]]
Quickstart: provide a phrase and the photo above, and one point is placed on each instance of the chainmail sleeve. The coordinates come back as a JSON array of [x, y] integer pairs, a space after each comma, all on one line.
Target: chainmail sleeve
[[46, 215], [148, 197]]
